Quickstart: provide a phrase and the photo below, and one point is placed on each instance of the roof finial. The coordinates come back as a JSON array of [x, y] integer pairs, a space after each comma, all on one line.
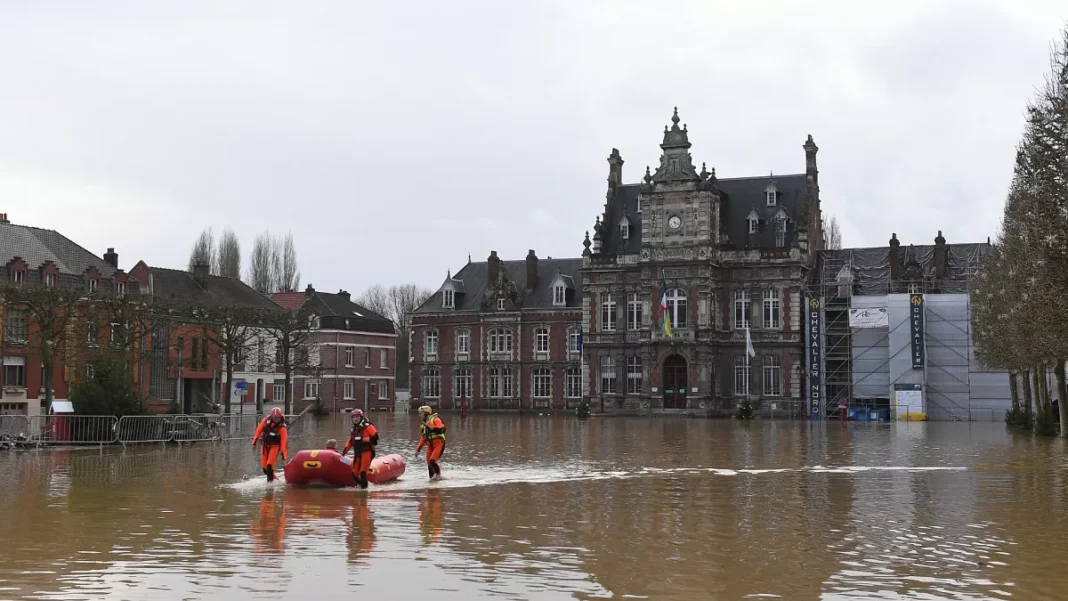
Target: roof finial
[[469, 258], [675, 118], [648, 176], [448, 274]]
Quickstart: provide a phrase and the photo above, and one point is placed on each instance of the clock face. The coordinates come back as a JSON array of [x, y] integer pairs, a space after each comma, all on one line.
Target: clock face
[[674, 222]]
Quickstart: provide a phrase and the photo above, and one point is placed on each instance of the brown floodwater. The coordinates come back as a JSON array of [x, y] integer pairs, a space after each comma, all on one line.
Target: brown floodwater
[[556, 508]]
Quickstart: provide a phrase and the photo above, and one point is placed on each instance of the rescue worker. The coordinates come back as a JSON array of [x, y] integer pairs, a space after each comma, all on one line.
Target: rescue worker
[[272, 436], [362, 441], [432, 436]]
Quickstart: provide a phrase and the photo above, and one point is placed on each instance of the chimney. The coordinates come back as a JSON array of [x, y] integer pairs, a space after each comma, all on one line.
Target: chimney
[[493, 269], [810, 160], [200, 273], [895, 258], [111, 258], [345, 295], [532, 270], [940, 256], [309, 291], [615, 171], [3, 218]]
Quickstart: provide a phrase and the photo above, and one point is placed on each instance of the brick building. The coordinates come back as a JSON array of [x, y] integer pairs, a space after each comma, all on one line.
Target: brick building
[[733, 254], [31, 256], [352, 349], [502, 334]]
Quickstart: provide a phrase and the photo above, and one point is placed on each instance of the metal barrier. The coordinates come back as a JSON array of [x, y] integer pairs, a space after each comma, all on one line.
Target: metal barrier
[[14, 425], [73, 429], [145, 428]]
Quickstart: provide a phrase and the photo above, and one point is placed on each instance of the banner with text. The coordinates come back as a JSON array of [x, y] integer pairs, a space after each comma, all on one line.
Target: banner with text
[[872, 317], [815, 356], [916, 330]]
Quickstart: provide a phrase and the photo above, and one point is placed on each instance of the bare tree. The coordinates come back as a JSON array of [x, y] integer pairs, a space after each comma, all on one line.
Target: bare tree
[[204, 251], [261, 274], [288, 272], [376, 298], [397, 303], [834, 234], [228, 257], [41, 318], [231, 328], [290, 330]]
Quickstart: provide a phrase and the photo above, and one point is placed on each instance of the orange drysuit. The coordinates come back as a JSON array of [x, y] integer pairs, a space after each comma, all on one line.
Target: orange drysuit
[[274, 440], [432, 436], [362, 441]]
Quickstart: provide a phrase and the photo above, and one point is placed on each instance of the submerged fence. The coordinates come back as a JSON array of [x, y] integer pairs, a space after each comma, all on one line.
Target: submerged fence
[[133, 429]]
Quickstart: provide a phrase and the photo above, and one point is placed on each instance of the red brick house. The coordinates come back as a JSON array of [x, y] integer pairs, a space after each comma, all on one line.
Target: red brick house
[[503, 335], [31, 256], [352, 353]]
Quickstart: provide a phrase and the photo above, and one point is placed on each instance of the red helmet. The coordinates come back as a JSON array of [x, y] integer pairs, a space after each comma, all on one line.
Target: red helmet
[[276, 415], [357, 415]]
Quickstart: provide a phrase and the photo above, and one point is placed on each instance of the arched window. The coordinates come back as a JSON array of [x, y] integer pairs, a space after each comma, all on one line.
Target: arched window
[[608, 312], [574, 382], [430, 342], [624, 229], [543, 382], [608, 375], [676, 300], [541, 339], [462, 383], [500, 382], [431, 383]]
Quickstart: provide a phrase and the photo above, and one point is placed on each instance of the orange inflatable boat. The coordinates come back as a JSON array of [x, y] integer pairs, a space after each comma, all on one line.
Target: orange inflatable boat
[[330, 468]]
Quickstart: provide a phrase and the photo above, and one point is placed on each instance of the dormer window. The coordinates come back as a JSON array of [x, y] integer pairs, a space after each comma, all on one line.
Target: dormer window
[[771, 193], [448, 299], [17, 276], [120, 288], [559, 296], [50, 280], [313, 322], [780, 232], [500, 304], [754, 221], [624, 229], [92, 285]]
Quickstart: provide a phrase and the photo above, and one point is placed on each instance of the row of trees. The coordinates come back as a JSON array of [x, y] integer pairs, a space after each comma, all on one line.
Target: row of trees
[[397, 303], [1020, 299], [272, 263]]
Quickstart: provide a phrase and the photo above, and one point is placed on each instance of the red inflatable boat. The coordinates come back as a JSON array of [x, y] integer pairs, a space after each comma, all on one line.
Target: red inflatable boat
[[330, 468]]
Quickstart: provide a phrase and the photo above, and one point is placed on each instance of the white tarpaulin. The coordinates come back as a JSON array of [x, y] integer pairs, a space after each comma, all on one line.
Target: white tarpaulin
[[874, 317]]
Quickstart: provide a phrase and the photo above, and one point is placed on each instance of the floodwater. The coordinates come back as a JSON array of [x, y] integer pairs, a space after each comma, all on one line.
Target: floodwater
[[556, 508]]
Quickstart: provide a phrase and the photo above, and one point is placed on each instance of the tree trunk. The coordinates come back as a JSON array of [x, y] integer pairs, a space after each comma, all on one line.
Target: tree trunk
[[229, 380], [1062, 397], [1014, 391], [1026, 377], [1040, 398]]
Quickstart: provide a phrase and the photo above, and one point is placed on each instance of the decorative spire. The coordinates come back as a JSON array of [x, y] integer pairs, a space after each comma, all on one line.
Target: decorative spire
[[468, 258], [704, 172], [648, 176], [448, 274], [586, 243], [675, 118]]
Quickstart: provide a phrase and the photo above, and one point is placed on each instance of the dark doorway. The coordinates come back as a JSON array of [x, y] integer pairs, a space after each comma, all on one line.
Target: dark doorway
[[675, 382]]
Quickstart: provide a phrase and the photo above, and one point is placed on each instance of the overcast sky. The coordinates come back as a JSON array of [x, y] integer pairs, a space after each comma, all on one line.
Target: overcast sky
[[394, 138]]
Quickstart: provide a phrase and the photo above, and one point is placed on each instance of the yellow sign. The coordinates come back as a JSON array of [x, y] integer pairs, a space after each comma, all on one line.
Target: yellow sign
[[917, 299], [315, 453], [313, 465], [814, 303]]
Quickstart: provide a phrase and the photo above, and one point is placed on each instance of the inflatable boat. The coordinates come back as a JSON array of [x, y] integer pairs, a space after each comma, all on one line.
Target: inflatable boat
[[330, 468]]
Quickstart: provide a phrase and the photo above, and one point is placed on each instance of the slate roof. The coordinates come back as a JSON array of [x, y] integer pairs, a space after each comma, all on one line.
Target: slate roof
[[178, 286], [738, 196], [36, 245], [332, 308], [870, 267], [475, 283]]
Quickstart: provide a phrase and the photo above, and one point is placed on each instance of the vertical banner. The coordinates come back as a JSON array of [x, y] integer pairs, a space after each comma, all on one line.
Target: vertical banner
[[916, 330], [815, 356]]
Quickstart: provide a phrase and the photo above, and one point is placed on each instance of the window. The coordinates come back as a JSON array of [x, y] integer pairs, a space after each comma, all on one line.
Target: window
[[543, 382], [432, 383], [771, 309], [89, 371], [194, 355], [462, 383], [780, 233], [559, 296], [120, 288], [448, 299], [676, 299], [279, 393], [500, 341], [573, 336], [50, 280], [754, 225], [203, 354], [367, 356], [574, 383], [634, 311], [431, 345], [17, 276], [772, 376], [624, 229], [350, 356], [500, 382], [674, 165], [463, 342], [118, 335], [90, 333], [372, 389], [770, 193], [608, 375], [313, 322], [92, 285], [383, 390], [608, 312], [541, 340], [16, 325], [500, 304], [634, 374], [311, 389], [741, 309], [350, 389], [383, 358], [15, 372], [741, 375]]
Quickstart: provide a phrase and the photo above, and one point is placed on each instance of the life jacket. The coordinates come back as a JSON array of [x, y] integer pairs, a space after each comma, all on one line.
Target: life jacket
[[432, 433], [356, 437], [271, 432]]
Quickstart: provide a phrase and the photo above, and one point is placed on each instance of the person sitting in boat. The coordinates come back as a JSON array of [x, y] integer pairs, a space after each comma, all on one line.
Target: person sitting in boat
[[331, 445], [272, 436], [432, 436], [362, 441]]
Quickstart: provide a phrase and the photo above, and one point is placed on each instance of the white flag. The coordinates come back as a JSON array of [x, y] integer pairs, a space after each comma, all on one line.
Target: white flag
[[749, 344]]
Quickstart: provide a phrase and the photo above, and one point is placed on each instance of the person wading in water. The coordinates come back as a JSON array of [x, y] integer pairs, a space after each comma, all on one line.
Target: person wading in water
[[273, 438], [432, 436], [362, 441]]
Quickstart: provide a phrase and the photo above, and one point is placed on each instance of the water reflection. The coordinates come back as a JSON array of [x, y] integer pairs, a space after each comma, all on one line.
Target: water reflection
[[360, 535], [431, 517], [269, 527]]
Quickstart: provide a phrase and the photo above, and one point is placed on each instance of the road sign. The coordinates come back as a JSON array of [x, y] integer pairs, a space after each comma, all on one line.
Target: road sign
[[241, 384]]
